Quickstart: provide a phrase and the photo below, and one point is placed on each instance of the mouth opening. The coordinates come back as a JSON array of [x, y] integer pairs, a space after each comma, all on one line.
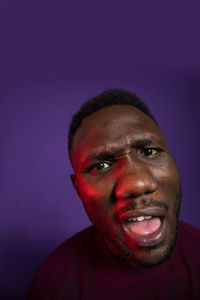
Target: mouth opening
[[143, 225]]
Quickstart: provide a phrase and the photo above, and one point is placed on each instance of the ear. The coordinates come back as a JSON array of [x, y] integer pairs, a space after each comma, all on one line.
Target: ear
[[74, 182]]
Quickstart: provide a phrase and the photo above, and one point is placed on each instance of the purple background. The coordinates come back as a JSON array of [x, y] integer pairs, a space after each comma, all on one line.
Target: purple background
[[53, 56]]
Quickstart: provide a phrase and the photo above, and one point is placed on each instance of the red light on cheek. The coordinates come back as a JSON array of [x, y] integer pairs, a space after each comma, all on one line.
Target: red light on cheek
[[90, 192]]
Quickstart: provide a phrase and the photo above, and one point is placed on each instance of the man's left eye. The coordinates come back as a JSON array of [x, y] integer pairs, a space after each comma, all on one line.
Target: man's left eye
[[149, 152]]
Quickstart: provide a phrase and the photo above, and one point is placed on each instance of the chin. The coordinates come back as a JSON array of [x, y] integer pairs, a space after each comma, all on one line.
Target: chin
[[149, 256]]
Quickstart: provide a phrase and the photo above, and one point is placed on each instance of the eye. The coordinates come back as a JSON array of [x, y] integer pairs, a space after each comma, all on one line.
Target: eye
[[101, 166], [149, 152], [98, 167]]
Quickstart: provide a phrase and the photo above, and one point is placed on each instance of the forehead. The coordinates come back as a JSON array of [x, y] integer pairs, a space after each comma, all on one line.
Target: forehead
[[114, 125]]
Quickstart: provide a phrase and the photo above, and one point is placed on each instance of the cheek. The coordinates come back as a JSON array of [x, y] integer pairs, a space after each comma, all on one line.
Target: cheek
[[95, 192], [167, 175], [170, 187], [90, 191], [96, 200]]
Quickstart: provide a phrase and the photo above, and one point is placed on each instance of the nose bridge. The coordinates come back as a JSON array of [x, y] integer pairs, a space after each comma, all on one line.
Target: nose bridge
[[134, 179]]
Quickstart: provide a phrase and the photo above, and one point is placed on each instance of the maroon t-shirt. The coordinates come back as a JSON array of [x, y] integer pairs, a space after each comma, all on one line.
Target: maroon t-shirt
[[84, 268]]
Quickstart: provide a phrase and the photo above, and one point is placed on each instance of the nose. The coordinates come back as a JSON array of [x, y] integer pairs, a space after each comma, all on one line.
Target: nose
[[134, 181]]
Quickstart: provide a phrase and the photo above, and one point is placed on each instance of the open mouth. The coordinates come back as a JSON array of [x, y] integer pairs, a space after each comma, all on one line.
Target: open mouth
[[146, 227]]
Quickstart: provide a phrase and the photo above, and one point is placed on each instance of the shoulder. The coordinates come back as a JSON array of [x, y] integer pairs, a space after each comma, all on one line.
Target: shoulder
[[189, 238], [62, 266], [189, 231], [72, 249], [73, 246]]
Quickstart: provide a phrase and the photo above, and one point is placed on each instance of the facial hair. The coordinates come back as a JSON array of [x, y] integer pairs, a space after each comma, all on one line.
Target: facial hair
[[128, 255]]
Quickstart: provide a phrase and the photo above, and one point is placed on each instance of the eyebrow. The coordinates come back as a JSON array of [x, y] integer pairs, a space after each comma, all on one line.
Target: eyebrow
[[113, 154], [142, 143]]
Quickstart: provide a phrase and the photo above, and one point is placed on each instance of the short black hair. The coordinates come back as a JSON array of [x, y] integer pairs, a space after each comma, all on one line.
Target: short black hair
[[107, 98]]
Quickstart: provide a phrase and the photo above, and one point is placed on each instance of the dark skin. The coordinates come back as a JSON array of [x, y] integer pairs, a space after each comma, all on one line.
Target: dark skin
[[123, 168]]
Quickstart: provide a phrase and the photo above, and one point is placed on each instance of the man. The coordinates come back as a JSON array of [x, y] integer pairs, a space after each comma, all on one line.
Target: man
[[130, 188]]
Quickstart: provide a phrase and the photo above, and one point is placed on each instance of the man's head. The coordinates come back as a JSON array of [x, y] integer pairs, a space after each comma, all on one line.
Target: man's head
[[126, 177], [105, 99]]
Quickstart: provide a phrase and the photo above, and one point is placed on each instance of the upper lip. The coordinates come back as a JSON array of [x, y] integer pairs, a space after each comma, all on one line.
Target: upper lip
[[154, 212]]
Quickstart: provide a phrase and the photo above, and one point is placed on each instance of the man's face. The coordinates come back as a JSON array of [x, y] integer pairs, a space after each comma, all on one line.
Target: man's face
[[128, 182]]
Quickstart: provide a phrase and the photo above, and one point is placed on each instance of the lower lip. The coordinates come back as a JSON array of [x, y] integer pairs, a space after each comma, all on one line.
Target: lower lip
[[148, 240]]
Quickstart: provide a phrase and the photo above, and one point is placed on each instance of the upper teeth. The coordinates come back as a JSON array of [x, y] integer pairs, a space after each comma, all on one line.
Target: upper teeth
[[140, 218]]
